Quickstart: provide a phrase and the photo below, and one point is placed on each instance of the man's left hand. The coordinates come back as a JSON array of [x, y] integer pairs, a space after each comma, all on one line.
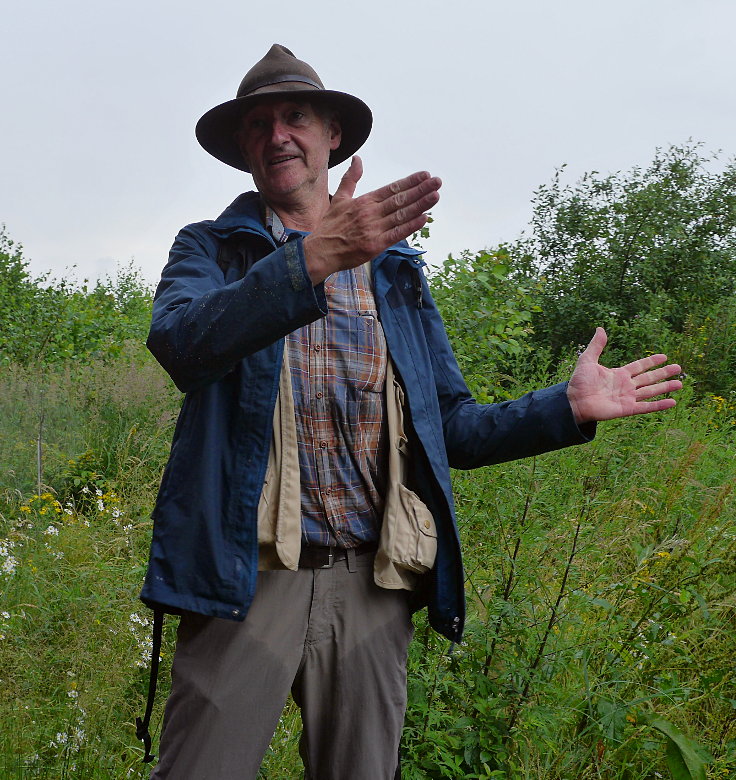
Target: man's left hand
[[599, 393]]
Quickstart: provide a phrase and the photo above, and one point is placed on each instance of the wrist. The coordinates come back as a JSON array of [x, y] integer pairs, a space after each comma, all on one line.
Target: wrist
[[577, 414], [317, 268]]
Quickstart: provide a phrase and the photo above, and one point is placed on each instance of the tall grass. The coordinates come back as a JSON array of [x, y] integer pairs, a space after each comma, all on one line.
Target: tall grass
[[602, 589], [601, 583]]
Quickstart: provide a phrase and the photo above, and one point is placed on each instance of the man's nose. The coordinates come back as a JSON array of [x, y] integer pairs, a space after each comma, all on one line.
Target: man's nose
[[279, 133]]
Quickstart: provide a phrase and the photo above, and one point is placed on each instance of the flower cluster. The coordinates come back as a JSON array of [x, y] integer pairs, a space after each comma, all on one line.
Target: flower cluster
[[723, 411], [8, 562], [72, 739], [140, 627], [42, 504], [107, 504], [4, 623]]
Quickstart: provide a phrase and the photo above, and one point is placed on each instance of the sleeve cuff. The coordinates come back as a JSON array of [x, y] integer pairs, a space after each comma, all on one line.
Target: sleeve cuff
[[296, 264], [586, 431]]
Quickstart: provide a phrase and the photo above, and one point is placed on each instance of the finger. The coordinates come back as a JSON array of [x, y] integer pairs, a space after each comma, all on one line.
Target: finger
[[644, 407], [595, 348], [403, 222], [644, 364], [411, 196], [400, 232], [656, 375], [350, 179], [661, 388], [411, 211], [420, 178]]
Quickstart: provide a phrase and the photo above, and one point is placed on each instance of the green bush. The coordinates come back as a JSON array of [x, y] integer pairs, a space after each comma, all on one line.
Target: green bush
[[487, 313], [46, 321], [643, 252]]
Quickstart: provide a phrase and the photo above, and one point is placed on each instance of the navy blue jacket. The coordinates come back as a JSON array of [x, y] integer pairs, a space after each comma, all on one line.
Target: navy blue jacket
[[219, 329]]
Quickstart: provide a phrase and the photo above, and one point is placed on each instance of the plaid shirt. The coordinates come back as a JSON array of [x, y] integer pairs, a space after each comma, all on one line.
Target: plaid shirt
[[338, 376]]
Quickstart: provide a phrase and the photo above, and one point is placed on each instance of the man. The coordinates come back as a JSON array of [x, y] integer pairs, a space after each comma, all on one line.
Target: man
[[306, 508]]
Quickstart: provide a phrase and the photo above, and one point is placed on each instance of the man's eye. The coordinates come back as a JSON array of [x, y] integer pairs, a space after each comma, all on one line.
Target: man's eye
[[297, 116]]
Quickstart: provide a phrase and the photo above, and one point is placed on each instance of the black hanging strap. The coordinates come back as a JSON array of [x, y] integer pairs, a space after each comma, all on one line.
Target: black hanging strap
[[141, 726]]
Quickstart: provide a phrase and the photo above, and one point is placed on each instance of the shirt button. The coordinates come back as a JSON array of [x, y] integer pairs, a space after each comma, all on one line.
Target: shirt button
[[319, 395], [317, 347], [323, 444]]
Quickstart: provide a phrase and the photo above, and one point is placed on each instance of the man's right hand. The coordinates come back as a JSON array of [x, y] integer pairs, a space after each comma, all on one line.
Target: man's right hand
[[355, 230]]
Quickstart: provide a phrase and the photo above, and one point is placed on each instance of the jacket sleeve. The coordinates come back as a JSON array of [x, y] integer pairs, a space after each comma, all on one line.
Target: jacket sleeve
[[201, 327], [481, 434]]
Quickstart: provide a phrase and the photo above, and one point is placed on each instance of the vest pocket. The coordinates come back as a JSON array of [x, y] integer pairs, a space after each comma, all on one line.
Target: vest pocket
[[415, 534]]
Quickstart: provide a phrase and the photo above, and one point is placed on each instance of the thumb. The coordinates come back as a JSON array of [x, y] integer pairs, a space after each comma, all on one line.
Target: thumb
[[595, 347], [350, 179]]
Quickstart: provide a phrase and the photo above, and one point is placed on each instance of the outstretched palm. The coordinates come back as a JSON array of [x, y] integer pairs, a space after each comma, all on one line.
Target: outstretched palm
[[600, 393]]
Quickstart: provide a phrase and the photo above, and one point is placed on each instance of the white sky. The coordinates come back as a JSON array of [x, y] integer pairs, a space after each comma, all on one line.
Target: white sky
[[99, 164]]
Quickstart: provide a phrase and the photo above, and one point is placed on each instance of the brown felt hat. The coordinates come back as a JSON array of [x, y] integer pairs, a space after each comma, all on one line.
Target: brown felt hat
[[281, 76]]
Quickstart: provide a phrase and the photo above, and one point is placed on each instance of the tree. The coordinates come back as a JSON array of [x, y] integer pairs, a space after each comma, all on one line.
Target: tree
[[643, 252]]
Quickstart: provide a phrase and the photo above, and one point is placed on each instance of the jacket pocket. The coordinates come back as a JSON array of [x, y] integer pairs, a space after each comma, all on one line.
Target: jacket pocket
[[415, 534]]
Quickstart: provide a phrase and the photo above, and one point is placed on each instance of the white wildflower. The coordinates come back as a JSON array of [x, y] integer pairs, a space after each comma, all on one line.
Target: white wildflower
[[52, 530], [9, 562]]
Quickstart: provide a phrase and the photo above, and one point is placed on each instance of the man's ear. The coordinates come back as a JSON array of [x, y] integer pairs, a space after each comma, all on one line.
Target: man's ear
[[335, 134]]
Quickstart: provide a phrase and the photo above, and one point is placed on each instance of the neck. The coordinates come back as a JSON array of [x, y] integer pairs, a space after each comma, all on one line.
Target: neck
[[303, 216]]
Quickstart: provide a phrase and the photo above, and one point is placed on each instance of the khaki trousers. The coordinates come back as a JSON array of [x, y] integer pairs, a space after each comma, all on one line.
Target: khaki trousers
[[333, 638]]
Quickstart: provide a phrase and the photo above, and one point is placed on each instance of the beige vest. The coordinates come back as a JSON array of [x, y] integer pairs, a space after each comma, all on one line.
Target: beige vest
[[408, 543]]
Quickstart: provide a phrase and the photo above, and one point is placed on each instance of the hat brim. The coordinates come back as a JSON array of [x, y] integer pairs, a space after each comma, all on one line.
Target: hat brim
[[216, 129]]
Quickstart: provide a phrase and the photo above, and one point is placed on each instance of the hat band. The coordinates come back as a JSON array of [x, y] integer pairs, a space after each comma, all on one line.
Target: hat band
[[281, 80]]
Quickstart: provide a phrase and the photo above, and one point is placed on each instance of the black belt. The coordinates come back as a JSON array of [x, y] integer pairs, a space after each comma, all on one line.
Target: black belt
[[314, 557]]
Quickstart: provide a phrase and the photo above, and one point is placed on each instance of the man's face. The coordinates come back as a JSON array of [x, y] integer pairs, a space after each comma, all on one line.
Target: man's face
[[287, 146]]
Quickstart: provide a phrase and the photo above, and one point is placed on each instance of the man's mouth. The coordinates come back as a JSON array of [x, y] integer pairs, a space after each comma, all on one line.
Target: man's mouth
[[282, 158]]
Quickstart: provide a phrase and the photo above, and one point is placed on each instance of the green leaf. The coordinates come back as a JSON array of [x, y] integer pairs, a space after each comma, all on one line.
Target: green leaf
[[686, 759]]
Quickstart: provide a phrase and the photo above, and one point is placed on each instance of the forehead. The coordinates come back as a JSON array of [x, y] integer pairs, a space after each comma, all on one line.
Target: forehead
[[277, 107]]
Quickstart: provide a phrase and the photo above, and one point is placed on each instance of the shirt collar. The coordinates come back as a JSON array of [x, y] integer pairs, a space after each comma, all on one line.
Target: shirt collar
[[274, 224]]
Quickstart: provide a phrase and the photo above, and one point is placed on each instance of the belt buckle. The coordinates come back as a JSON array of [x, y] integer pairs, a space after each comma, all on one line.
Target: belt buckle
[[330, 559]]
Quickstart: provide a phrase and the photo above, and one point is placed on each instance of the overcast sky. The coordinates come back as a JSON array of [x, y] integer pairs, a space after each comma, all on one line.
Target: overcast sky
[[99, 162]]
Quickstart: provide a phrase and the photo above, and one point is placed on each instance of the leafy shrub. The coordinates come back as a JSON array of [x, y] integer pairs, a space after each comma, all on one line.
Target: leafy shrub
[[487, 313], [48, 321], [641, 252]]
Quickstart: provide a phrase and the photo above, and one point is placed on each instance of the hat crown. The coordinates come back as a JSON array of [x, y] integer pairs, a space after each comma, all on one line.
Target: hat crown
[[277, 67]]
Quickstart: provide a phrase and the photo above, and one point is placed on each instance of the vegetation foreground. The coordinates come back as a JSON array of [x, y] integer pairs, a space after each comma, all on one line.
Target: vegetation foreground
[[601, 580]]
